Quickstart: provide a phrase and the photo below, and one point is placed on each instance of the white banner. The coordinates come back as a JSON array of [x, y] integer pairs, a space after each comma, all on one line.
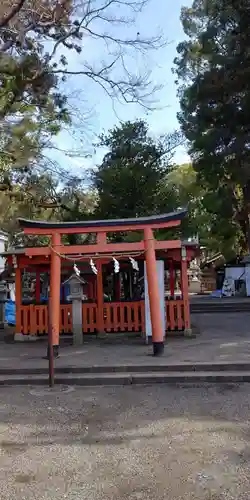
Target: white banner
[[247, 274]]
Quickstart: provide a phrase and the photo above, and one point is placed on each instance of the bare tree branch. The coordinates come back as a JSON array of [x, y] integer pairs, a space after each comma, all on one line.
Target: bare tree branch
[[36, 48], [87, 18], [15, 9]]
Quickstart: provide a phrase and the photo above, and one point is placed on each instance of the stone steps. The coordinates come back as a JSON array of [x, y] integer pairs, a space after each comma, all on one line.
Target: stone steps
[[130, 375], [143, 378], [219, 307], [160, 366]]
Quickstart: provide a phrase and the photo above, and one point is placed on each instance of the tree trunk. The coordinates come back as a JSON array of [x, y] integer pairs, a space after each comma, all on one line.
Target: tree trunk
[[245, 215]]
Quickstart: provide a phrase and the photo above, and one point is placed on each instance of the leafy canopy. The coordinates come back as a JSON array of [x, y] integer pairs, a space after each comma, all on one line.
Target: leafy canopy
[[127, 180], [212, 70]]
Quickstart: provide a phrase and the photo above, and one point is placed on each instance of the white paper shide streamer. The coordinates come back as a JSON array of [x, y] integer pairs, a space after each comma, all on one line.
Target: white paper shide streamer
[[77, 270], [116, 266], [92, 265], [134, 264]]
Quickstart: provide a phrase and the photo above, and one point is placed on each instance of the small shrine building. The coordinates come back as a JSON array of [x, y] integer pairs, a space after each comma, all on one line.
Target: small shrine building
[[96, 263]]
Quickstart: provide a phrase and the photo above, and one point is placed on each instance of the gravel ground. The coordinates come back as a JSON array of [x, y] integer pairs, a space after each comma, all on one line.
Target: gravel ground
[[167, 442]]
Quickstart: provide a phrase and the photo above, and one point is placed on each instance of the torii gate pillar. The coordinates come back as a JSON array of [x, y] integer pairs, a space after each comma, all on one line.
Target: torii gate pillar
[[153, 293], [55, 286]]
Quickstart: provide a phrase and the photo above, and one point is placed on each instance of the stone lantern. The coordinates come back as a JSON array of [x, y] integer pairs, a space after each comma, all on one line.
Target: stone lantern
[[76, 296]]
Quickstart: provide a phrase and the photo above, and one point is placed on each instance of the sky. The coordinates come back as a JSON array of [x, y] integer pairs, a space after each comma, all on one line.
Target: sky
[[93, 110]]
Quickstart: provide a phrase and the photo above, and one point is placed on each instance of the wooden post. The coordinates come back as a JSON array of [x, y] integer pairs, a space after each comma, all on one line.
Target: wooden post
[[91, 287], [92, 290], [172, 278], [50, 347], [95, 290], [184, 290], [153, 293], [117, 287], [55, 287], [38, 287], [18, 299], [100, 325]]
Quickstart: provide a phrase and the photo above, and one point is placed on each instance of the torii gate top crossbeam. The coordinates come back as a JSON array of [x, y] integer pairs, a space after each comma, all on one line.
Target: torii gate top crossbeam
[[112, 225]]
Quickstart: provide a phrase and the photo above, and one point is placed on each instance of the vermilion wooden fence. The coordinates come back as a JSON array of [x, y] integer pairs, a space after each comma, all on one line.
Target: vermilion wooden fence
[[117, 317], [34, 319], [124, 317], [89, 318], [174, 315], [65, 318]]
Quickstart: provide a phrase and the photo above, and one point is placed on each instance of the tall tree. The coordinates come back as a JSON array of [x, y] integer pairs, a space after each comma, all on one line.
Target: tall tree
[[213, 74], [180, 188], [128, 177]]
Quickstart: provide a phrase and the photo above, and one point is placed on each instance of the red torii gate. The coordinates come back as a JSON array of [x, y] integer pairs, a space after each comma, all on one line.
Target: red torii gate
[[101, 248]]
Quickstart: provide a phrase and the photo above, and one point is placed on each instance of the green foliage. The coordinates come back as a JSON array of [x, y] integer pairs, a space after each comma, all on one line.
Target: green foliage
[[32, 110], [213, 75], [27, 198], [76, 204], [137, 178], [30, 113], [40, 196], [127, 179], [178, 189]]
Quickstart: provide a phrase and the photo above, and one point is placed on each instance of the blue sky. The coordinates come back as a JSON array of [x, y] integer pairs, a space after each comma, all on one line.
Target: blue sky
[[89, 100]]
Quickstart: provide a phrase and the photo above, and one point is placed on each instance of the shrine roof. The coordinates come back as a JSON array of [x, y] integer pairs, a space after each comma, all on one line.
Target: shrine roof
[[139, 221], [13, 251]]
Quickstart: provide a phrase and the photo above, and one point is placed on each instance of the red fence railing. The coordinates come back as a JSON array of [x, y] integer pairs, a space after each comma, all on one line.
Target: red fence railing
[[124, 316], [117, 317], [34, 319], [89, 318], [174, 315]]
